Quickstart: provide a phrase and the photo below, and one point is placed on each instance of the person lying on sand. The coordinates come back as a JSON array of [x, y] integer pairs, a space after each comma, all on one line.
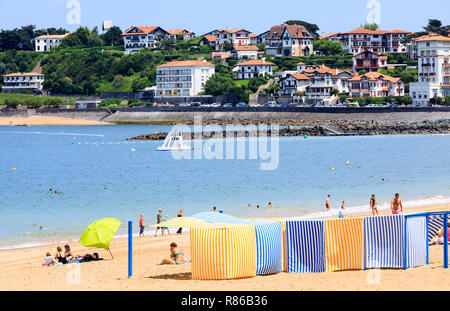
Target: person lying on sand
[[440, 237], [50, 261], [89, 257], [176, 258]]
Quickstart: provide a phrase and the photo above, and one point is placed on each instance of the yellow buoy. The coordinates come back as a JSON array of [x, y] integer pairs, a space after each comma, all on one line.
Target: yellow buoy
[[332, 169], [14, 169], [347, 163], [156, 132]]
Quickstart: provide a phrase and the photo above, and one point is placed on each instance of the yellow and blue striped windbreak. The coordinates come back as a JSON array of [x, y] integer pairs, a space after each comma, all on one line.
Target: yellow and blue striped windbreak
[[268, 239], [223, 253]]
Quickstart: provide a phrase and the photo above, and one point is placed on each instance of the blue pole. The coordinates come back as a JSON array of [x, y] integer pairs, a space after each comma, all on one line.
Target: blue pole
[[405, 254], [130, 249], [446, 240], [428, 243]]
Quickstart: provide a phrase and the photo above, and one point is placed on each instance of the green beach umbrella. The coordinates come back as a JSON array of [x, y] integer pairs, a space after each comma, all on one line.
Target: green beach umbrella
[[100, 233]]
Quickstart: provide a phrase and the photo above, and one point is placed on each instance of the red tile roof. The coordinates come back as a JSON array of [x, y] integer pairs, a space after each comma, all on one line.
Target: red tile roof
[[24, 74], [210, 38], [432, 37], [295, 31], [178, 31], [376, 32], [52, 36], [144, 30], [186, 63], [299, 76], [246, 48], [373, 76]]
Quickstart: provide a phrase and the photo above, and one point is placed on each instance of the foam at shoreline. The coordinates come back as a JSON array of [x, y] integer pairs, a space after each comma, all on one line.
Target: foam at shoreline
[[349, 211]]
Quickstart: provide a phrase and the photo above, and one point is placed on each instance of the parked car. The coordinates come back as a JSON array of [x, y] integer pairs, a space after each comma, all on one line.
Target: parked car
[[256, 106], [227, 105], [183, 104], [215, 105], [241, 105]]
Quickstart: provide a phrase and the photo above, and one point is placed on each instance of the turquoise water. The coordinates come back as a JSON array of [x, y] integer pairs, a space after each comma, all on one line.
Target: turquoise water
[[79, 162]]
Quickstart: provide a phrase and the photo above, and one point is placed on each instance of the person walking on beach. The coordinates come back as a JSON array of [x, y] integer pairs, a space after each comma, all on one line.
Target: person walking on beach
[[327, 203], [141, 225], [158, 221], [214, 209], [396, 205], [373, 205], [180, 214], [343, 205]]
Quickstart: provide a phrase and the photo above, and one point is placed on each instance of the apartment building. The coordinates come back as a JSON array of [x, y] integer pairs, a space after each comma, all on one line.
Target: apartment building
[[433, 52], [48, 42], [375, 84], [289, 40], [368, 61], [23, 81], [253, 68], [379, 41], [138, 38], [183, 78]]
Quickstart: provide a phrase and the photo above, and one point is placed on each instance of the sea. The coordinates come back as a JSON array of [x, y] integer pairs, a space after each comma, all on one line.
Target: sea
[[97, 173]]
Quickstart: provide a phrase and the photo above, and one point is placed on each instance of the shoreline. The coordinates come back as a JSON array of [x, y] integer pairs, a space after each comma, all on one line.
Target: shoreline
[[348, 213]]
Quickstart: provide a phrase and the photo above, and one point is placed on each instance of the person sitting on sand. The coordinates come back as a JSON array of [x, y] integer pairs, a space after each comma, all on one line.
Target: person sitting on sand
[[50, 261], [440, 237], [396, 205], [60, 257], [67, 253], [176, 258]]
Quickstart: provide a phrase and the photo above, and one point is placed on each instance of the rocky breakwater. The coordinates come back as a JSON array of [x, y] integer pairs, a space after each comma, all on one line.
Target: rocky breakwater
[[329, 128]]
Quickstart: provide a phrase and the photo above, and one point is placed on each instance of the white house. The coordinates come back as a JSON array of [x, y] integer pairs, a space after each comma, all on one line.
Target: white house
[[21, 81], [187, 34], [433, 52], [138, 38], [245, 52], [375, 84], [183, 78], [368, 61], [289, 40], [48, 42], [323, 80], [253, 68], [292, 84], [233, 37], [379, 41]]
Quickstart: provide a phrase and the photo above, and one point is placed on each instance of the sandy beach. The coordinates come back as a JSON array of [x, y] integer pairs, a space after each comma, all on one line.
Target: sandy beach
[[22, 270], [45, 120]]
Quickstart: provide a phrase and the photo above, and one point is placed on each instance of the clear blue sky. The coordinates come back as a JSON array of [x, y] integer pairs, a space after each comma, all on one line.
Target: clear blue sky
[[204, 15]]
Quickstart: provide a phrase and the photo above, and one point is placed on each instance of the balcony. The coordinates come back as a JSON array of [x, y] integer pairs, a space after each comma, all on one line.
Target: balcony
[[427, 74], [446, 65], [445, 84]]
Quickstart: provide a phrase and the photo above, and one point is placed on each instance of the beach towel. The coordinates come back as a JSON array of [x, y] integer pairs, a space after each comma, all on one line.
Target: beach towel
[[416, 228], [268, 248], [305, 246], [223, 253], [344, 241], [435, 223], [384, 241]]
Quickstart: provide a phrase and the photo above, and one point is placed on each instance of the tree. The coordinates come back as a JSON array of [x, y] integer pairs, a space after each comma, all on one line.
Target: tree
[[372, 26], [261, 46], [312, 28], [327, 47], [435, 25], [82, 37], [227, 46], [113, 36]]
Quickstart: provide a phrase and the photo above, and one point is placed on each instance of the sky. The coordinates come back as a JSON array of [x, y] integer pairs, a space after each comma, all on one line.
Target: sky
[[202, 16]]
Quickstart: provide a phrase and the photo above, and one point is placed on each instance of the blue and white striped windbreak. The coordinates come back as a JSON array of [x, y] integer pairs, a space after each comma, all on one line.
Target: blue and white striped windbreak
[[385, 241], [269, 247], [416, 227], [305, 246], [435, 223], [268, 240]]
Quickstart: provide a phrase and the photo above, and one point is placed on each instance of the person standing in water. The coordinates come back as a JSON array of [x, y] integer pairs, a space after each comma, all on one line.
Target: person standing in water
[[327, 203], [141, 225], [269, 205], [396, 205], [158, 221], [180, 214], [373, 205]]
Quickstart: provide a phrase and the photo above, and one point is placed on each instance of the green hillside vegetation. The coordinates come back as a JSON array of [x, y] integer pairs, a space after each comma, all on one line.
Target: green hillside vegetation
[[30, 101]]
